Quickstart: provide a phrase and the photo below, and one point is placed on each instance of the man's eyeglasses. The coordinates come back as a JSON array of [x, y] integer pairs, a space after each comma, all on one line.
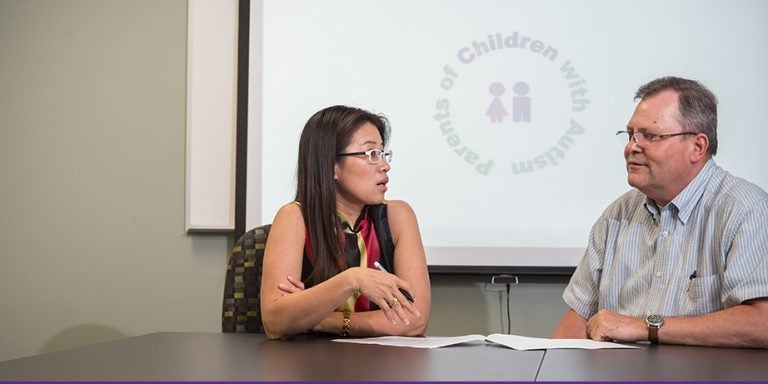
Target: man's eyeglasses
[[374, 155], [644, 138]]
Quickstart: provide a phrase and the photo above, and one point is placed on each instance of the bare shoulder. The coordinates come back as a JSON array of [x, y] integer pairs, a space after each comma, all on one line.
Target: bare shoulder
[[402, 220], [399, 210], [286, 238], [289, 217], [290, 211], [410, 259]]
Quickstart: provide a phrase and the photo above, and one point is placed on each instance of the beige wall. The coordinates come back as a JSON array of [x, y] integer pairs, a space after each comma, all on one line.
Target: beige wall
[[92, 141]]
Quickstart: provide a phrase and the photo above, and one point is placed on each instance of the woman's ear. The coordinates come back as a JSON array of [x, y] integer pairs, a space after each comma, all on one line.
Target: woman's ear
[[336, 172]]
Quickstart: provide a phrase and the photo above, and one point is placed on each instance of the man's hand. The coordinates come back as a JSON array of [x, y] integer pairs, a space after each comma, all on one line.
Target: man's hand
[[609, 326]]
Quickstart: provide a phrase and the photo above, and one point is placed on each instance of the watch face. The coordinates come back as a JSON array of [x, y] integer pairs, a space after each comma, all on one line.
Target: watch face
[[655, 320]]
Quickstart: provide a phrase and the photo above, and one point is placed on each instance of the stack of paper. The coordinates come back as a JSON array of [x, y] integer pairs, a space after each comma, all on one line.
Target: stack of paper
[[520, 343]]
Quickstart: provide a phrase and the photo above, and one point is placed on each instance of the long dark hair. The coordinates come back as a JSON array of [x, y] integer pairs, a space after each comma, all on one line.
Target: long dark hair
[[327, 133]]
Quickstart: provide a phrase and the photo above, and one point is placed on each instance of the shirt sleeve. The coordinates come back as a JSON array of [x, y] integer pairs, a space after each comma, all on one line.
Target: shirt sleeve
[[582, 292], [746, 272]]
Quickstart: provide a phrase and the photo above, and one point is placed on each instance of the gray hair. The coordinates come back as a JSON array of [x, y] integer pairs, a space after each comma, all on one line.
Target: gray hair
[[697, 105]]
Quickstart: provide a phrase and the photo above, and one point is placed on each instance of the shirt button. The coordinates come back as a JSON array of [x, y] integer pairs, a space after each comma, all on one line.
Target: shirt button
[[658, 274], [665, 233]]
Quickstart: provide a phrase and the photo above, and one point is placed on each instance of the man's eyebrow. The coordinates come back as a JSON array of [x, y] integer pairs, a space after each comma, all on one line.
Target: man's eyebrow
[[633, 129]]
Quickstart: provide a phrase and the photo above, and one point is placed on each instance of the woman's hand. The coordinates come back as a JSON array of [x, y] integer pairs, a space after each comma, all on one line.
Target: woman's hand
[[383, 289], [292, 286], [379, 287]]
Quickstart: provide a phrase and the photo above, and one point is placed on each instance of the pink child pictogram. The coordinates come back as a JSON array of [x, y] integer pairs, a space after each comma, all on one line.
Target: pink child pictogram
[[496, 110]]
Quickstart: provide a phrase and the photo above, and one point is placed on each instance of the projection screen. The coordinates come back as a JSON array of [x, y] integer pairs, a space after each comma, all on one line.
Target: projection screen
[[503, 113]]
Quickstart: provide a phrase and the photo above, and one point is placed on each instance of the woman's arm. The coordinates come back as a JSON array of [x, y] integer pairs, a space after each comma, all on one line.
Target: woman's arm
[[289, 314], [411, 267], [410, 263], [283, 258]]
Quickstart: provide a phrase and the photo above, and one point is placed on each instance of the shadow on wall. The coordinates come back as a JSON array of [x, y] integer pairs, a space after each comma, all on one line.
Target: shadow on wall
[[80, 335]]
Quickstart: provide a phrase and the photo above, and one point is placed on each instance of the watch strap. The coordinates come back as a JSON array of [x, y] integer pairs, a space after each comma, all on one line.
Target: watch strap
[[653, 334], [654, 323]]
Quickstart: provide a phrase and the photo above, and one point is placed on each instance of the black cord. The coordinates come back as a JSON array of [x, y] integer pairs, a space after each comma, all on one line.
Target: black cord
[[509, 318]]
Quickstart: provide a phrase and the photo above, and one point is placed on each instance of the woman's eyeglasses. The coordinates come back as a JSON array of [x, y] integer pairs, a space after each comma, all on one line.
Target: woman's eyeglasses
[[374, 155]]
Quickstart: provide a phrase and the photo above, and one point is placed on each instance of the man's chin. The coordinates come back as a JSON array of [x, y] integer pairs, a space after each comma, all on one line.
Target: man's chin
[[633, 180]]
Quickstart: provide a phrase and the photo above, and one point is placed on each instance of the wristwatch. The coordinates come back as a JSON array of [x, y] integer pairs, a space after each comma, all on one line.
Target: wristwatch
[[654, 322]]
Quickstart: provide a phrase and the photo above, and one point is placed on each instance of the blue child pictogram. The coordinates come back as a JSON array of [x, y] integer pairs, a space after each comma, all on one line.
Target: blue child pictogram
[[521, 104]]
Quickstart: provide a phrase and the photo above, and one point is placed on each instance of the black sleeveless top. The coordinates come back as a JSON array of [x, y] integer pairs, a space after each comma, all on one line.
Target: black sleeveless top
[[367, 241]]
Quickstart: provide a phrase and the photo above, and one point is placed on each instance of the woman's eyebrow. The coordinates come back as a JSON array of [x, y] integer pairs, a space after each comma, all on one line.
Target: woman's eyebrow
[[371, 142]]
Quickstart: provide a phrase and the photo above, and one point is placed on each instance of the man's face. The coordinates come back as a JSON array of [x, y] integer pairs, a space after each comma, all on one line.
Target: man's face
[[661, 168]]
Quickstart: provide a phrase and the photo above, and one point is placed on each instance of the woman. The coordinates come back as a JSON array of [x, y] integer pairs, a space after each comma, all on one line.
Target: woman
[[319, 271]]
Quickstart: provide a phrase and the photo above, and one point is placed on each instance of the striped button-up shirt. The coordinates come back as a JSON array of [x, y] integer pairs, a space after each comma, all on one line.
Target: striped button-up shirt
[[705, 251]]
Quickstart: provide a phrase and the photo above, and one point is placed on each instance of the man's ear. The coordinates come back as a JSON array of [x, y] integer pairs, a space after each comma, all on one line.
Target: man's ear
[[700, 147]]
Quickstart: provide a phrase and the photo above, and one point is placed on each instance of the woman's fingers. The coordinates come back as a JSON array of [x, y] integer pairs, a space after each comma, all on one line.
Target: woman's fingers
[[401, 308], [398, 309], [408, 306], [388, 312], [292, 286], [297, 283], [288, 288], [385, 289]]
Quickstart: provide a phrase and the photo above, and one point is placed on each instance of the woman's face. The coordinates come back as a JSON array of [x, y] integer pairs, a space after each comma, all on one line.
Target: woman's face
[[358, 182]]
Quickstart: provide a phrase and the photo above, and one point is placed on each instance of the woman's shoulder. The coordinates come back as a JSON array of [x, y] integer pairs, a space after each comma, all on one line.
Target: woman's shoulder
[[399, 210], [290, 212], [402, 223], [288, 225], [397, 205]]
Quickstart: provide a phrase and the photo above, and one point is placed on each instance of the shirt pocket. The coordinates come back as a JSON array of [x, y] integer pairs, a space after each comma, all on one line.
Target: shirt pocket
[[702, 296]]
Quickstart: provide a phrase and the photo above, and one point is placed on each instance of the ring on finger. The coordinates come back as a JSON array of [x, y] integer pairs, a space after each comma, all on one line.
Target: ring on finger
[[394, 302]]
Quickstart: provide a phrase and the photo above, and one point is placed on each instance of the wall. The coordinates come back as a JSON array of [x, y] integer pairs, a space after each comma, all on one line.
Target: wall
[[92, 141], [92, 117]]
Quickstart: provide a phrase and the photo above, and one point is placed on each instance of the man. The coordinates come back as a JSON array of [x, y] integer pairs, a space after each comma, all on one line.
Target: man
[[683, 257]]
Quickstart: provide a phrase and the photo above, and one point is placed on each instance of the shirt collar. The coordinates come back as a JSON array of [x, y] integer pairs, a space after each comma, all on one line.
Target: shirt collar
[[346, 223], [686, 200]]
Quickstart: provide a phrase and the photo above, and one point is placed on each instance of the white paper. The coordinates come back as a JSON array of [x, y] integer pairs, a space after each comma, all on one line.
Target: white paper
[[415, 342], [520, 343]]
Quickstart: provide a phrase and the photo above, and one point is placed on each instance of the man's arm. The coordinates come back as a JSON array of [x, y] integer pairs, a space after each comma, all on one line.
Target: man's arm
[[572, 326], [742, 326]]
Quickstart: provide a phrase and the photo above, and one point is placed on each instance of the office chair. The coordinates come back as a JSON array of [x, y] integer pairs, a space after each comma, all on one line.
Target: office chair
[[241, 312]]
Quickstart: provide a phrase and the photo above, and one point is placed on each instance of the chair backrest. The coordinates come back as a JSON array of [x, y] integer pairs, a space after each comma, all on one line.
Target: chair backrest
[[241, 311]]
